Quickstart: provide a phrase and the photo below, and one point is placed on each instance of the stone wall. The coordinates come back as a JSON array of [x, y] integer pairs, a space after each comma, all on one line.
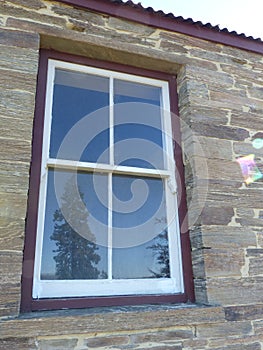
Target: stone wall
[[221, 106]]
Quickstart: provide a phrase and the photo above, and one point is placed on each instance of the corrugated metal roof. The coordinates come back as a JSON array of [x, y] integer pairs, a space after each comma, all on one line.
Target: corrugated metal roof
[[180, 19]]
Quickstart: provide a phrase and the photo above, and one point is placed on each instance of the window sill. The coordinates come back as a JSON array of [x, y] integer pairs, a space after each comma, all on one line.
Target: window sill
[[110, 319]]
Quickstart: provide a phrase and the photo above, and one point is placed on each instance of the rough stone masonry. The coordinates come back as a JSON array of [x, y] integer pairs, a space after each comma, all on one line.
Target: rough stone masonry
[[220, 91]]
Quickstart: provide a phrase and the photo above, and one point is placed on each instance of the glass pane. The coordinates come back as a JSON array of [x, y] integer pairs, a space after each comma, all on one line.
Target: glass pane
[[140, 243], [138, 129], [75, 228], [78, 112]]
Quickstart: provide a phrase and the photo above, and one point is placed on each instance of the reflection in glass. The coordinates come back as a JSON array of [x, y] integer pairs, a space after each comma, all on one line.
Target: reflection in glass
[[66, 253], [138, 129], [141, 215], [75, 96]]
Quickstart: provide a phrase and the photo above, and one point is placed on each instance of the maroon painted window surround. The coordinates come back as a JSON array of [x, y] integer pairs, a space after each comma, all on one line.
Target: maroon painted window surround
[[31, 300]]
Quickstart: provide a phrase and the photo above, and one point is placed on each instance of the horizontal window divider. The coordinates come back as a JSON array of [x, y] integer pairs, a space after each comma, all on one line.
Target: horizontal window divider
[[59, 164]]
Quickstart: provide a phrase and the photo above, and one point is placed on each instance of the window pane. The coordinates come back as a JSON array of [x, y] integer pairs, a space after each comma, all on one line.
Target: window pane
[[138, 133], [140, 244], [71, 225], [75, 97]]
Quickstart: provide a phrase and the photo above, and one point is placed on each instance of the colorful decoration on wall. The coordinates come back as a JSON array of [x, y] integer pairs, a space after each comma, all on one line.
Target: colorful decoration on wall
[[248, 165]]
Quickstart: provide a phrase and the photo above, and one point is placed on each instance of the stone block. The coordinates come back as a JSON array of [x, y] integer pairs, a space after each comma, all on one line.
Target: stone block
[[167, 337], [17, 100], [14, 176], [246, 312], [15, 150], [18, 38], [12, 233], [18, 344], [258, 327], [56, 344], [106, 341], [13, 205], [13, 80], [224, 330], [255, 266], [241, 119], [235, 291], [37, 16], [19, 59], [223, 262], [217, 215], [228, 237]]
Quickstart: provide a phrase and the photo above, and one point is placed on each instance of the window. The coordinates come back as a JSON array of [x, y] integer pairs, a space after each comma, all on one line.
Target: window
[[107, 224]]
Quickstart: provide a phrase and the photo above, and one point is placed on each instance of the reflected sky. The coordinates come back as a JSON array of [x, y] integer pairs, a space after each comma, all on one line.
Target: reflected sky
[[146, 218], [75, 96], [148, 130]]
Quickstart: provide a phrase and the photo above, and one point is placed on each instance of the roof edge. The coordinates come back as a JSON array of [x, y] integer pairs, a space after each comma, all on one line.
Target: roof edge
[[139, 14]]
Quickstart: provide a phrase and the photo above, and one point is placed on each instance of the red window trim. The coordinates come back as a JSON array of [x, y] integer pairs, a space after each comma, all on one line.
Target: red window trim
[[27, 302]]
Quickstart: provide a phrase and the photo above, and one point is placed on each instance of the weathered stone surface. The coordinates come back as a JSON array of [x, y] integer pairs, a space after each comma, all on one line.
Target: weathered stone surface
[[229, 196], [222, 330], [14, 177], [208, 147], [229, 237], [220, 100], [15, 150], [20, 12], [56, 344], [79, 15], [17, 81], [10, 266], [100, 342], [122, 320], [12, 233], [239, 345], [258, 327], [201, 114], [250, 222], [217, 215], [13, 205], [18, 38], [220, 131], [198, 264], [20, 59], [166, 337], [246, 312], [129, 27], [245, 212], [18, 344], [245, 148], [235, 291], [241, 119], [223, 262]]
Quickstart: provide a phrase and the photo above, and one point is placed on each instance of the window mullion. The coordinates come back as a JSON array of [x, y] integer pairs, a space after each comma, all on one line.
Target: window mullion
[[111, 122], [111, 155], [110, 226]]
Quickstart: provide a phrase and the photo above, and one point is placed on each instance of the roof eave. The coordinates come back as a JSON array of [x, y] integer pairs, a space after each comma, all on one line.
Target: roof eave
[[137, 13]]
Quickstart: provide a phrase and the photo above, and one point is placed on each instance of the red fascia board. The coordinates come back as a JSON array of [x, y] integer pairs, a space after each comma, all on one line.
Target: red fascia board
[[156, 20]]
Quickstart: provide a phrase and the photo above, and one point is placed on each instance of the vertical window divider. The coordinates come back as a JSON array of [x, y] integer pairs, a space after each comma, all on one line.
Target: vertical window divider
[[111, 155]]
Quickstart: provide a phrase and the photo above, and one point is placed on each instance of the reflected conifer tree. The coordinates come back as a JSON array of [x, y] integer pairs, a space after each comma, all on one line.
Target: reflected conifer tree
[[76, 256], [160, 250]]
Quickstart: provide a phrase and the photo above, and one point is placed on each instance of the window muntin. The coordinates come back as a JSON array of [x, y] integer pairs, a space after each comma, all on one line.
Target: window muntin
[[132, 108]]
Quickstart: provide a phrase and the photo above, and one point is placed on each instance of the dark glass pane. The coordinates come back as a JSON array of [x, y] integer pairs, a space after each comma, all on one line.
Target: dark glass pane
[[138, 133], [75, 229], [140, 244], [77, 112]]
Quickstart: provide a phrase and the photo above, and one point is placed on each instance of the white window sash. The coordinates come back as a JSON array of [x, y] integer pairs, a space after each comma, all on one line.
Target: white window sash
[[109, 287]]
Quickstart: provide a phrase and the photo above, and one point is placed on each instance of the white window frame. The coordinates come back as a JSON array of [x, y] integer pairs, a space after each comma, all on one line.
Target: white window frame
[[110, 287]]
